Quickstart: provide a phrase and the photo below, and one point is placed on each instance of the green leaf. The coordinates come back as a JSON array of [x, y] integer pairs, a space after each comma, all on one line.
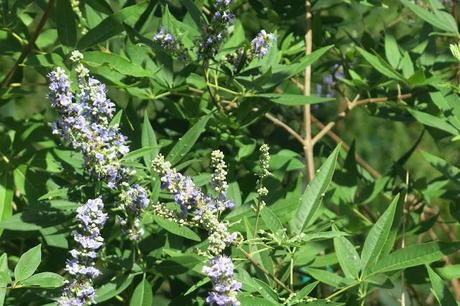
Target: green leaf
[[302, 293], [435, 122], [148, 139], [186, 142], [407, 65], [115, 287], [289, 99], [66, 24], [440, 290], [28, 263], [310, 200], [247, 300], [111, 25], [133, 155], [449, 271], [448, 170], [380, 65], [283, 72], [142, 295], [414, 255], [329, 278], [176, 229], [377, 237], [435, 20], [3, 282], [270, 219], [348, 257], [6, 197], [116, 62], [392, 51], [199, 284], [44, 280]]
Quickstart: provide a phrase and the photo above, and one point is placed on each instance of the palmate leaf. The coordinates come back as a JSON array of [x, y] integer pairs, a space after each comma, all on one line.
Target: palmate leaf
[[111, 25], [310, 200], [377, 238]]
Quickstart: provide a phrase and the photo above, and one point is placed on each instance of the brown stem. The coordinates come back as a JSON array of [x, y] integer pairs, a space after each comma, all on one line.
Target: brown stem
[[28, 48], [308, 144], [346, 147], [285, 127]]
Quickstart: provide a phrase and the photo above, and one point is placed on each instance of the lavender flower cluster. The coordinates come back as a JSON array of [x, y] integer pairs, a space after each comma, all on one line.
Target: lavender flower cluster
[[79, 291], [170, 43], [84, 123], [329, 82], [216, 31], [225, 288], [261, 44], [202, 210]]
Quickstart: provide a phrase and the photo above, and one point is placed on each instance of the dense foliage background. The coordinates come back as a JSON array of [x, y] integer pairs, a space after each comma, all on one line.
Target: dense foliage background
[[384, 85]]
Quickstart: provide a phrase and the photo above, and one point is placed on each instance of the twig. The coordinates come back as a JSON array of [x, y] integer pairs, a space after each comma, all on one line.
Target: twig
[[28, 48], [285, 127], [263, 270], [403, 241], [308, 144], [346, 147]]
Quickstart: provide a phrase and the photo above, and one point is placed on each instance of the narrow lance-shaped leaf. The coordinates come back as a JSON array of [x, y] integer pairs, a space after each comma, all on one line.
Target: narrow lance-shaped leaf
[[380, 65], [433, 121], [289, 99], [440, 290], [3, 281], [149, 139], [186, 142], [6, 196], [436, 20], [377, 237], [176, 229], [414, 255], [448, 170], [66, 24], [310, 201]]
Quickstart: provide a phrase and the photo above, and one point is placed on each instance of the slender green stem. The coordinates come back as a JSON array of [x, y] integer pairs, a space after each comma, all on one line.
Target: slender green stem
[[263, 270], [164, 94], [224, 89], [338, 292]]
